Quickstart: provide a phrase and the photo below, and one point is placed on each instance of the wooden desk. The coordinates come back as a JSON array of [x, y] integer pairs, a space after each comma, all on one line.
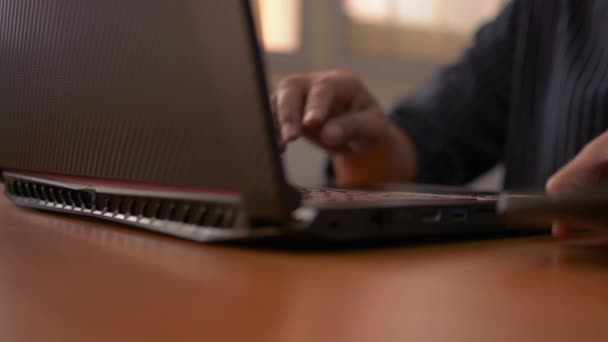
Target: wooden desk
[[65, 279]]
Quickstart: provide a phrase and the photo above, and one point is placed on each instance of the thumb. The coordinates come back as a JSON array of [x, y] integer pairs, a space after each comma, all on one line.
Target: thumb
[[587, 169]]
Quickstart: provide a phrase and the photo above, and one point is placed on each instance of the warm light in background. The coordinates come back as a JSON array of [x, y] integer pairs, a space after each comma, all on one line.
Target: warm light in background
[[280, 24], [281, 20], [461, 16], [415, 13], [369, 11]]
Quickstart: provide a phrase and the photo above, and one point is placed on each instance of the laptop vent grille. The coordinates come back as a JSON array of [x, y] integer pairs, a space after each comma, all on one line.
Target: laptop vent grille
[[130, 208]]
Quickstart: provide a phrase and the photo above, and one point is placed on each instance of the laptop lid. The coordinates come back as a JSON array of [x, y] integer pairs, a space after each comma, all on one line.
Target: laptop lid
[[154, 91]]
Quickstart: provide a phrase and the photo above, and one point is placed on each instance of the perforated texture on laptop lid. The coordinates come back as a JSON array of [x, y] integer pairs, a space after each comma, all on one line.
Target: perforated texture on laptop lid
[[145, 90]]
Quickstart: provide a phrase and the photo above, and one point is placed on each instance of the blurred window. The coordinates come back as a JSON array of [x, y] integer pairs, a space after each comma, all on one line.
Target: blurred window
[[424, 30], [280, 25]]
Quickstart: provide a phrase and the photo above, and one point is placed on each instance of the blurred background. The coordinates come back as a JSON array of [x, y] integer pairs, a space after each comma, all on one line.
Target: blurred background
[[393, 45]]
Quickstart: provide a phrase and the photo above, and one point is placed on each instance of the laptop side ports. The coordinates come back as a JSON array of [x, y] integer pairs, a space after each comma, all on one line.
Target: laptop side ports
[[457, 214], [430, 215]]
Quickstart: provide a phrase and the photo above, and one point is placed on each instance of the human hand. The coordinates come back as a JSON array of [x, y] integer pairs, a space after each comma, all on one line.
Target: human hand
[[587, 170], [335, 110]]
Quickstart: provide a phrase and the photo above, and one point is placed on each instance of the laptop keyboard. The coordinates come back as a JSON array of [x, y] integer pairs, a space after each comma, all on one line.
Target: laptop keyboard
[[320, 196]]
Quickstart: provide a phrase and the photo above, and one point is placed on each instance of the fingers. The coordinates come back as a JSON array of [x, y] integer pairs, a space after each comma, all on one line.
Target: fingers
[[353, 130], [587, 169], [319, 102], [305, 104], [277, 127], [290, 100], [332, 93]]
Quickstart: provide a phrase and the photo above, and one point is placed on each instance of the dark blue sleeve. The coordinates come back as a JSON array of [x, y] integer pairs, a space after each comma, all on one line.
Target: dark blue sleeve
[[458, 120]]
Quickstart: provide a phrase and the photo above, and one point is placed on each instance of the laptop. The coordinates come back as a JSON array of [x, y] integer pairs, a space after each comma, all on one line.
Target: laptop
[[154, 114]]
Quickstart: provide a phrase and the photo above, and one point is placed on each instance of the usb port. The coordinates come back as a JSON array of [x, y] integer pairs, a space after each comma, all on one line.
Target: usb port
[[457, 214]]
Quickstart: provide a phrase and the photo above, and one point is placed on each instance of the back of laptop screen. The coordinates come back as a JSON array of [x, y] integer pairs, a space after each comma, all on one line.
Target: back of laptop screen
[[156, 91]]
